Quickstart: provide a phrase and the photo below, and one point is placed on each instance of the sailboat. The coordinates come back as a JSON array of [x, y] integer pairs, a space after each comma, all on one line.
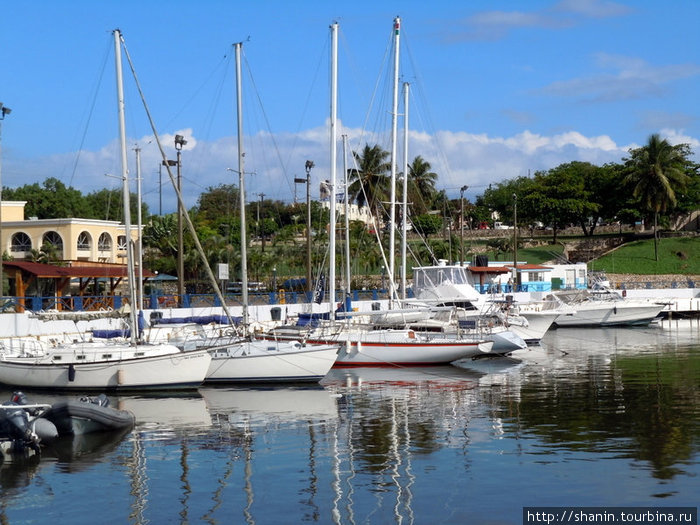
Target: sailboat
[[365, 344], [247, 359], [104, 365]]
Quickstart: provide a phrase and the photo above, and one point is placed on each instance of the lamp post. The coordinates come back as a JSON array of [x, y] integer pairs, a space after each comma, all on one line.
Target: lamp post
[[308, 166], [4, 110], [179, 142], [461, 224]]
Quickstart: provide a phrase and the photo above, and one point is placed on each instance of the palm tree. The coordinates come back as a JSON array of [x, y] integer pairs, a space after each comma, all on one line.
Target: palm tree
[[657, 171], [421, 184], [369, 183]]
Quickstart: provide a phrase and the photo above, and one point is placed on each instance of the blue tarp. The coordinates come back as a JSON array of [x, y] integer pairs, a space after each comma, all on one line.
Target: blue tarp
[[111, 334], [197, 319], [294, 284], [312, 319]]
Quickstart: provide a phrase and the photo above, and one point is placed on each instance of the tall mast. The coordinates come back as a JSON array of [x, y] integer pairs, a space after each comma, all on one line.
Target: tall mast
[[404, 203], [347, 218], [392, 195], [241, 189], [139, 244], [125, 186], [333, 161]]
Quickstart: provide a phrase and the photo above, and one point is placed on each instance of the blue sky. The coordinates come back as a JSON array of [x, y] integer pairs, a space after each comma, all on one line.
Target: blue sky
[[498, 89]]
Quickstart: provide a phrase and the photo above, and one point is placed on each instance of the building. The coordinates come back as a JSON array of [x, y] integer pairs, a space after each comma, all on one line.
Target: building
[[72, 239], [497, 276]]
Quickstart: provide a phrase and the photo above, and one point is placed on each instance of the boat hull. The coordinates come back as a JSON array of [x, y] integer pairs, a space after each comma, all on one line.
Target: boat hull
[[76, 418], [397, 347], [270, 361], [538, 324], [620, 313], [167, 371]]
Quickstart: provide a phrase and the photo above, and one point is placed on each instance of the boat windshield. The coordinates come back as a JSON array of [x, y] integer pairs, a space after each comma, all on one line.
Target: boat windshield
[[435, 276]]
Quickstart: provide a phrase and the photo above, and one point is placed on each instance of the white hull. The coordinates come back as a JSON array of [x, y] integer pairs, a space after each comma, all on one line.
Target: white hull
[[285, 403], [106, 367], [538, 324], [608, 313], [404, 347], [272, 361]]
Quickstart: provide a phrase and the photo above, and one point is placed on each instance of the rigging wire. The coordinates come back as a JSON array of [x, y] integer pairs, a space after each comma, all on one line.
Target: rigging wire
[[90, 112]]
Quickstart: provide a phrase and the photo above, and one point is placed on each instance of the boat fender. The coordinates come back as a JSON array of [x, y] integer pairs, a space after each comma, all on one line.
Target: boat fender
[[615, 309], [71, 373]]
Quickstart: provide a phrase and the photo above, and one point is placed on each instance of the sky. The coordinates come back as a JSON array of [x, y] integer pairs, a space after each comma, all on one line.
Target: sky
[[496, 89]]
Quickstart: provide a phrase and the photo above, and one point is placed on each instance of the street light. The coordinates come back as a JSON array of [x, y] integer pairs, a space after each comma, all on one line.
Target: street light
[[4, 110], [461, 224], [308, 166], [179, 142]]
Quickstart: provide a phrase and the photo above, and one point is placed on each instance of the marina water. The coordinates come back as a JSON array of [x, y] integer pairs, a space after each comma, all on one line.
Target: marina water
[[590, 418]]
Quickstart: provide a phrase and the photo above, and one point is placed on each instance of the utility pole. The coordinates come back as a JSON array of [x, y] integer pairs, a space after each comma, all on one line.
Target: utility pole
[[4, 110], [179, 142], [461, 224], [261, 230]]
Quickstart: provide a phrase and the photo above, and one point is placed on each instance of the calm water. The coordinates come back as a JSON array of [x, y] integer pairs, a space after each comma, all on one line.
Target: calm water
[[594, 417]]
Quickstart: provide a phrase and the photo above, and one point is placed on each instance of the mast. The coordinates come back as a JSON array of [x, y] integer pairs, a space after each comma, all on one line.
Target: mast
[[347, 218], [333, 161], [139, 243], [241, 189], [404, 203], [125, 187], [392, 195]]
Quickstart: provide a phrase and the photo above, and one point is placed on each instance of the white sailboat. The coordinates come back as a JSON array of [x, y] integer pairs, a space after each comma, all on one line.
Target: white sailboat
[[100, 365], [246, 359], [365, 344]]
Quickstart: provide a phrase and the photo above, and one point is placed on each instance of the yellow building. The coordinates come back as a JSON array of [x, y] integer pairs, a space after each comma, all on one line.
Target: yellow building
[[73, 239]]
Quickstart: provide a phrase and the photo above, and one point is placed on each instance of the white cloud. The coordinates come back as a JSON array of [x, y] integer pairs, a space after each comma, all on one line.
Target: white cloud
[[494, 25], [459, 158], [631, 78], [593, 8]]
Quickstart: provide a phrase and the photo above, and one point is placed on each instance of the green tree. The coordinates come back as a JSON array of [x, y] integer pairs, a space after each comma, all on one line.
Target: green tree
[[657, 171], [51, 200], [421, 185], [427, 224], [368, 183]]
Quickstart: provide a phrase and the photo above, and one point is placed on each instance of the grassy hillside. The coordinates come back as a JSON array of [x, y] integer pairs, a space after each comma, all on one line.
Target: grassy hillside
[[677, 255]]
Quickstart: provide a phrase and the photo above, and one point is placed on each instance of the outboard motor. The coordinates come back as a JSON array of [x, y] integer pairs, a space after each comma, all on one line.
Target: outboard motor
[[102, 400], [14, 425]]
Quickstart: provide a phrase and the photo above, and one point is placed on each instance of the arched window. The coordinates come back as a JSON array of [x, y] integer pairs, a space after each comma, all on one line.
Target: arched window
[[21, 242], [84, 241], [54, 239], [104, 244], [121, 242]]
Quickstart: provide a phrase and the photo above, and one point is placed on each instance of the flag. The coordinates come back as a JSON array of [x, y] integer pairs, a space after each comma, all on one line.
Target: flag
[[320, 290]]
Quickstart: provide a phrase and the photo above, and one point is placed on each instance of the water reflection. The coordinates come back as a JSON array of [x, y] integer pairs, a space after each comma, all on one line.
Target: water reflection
[[630, 393], [384, 445]]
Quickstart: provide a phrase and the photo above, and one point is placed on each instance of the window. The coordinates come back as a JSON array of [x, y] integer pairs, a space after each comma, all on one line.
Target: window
[[104, 244], [121, 242], [21, 242], [84, 241], [53, 239], [535, 277]]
